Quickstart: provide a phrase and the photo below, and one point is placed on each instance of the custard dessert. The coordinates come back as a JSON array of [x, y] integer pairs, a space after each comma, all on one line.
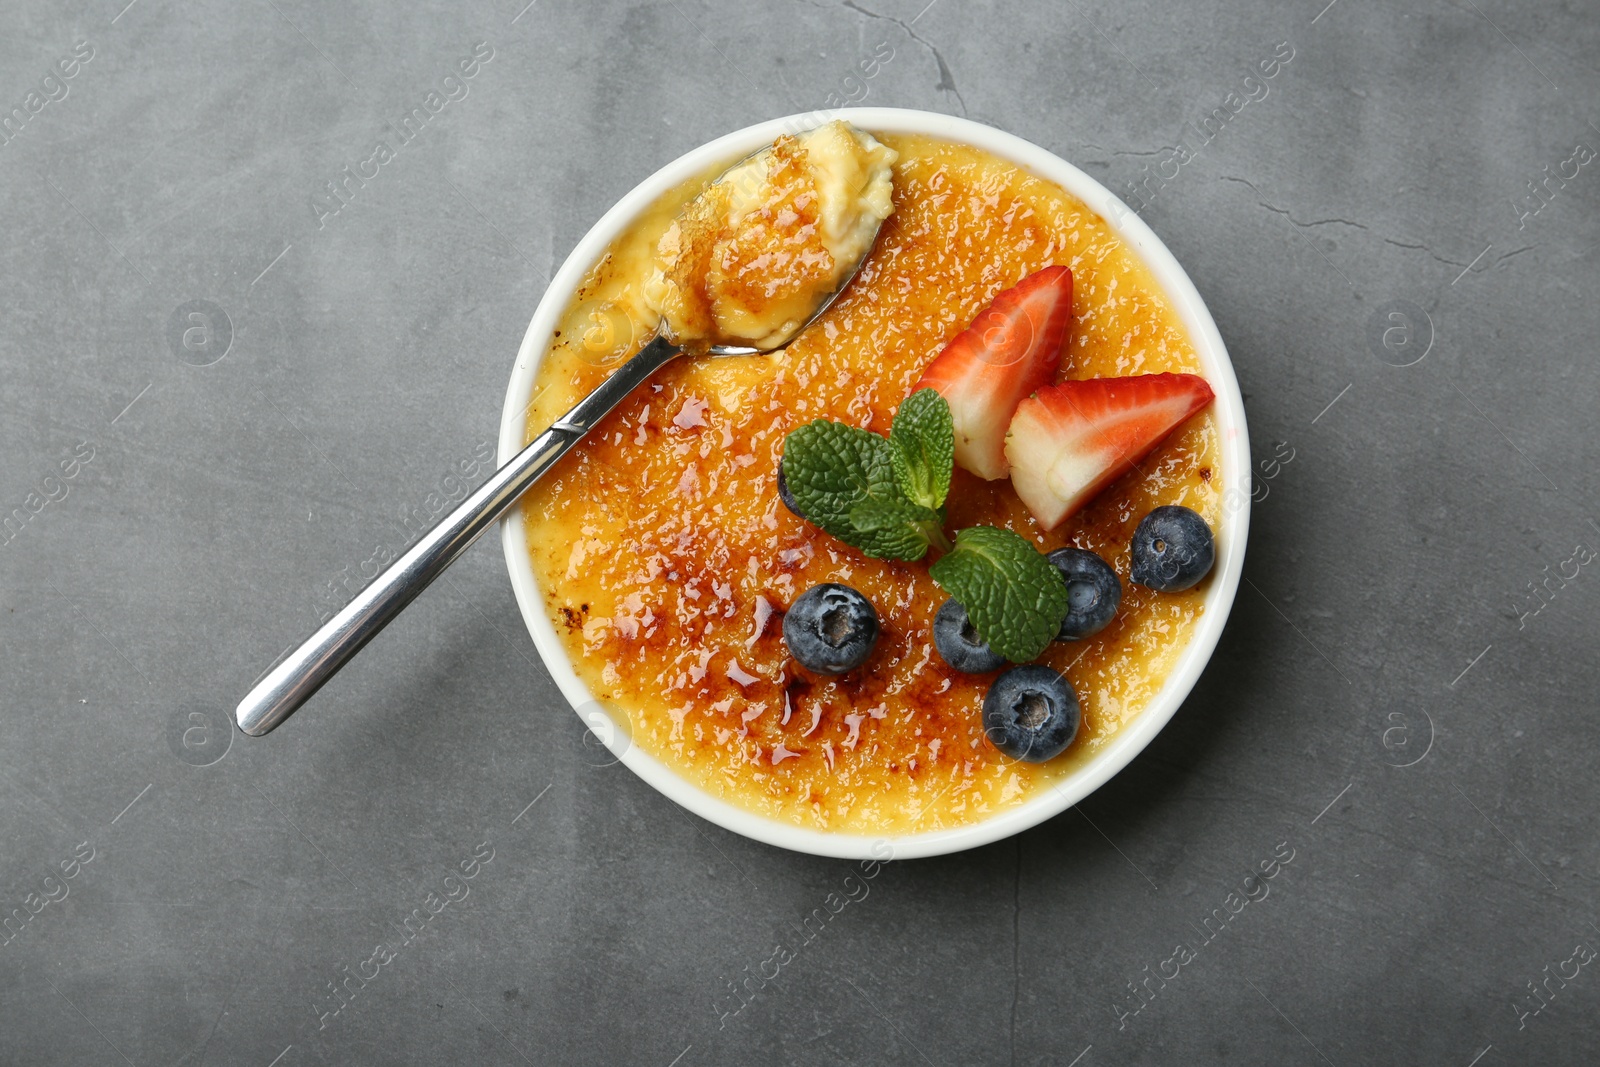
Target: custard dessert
[[670, 563]]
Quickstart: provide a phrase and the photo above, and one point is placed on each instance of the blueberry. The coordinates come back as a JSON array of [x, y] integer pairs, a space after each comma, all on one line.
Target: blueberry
[[1172, 549], [1093, 592], [831, 629], [1030, 713], [959, 643], [784, 494]]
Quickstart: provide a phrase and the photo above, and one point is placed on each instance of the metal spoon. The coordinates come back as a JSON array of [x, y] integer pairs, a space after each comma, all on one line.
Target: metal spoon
[[289, 684]]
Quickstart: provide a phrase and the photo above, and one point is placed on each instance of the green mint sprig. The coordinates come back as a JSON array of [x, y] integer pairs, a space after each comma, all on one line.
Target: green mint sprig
[[922, 448], [885, 496], [1015, 597]]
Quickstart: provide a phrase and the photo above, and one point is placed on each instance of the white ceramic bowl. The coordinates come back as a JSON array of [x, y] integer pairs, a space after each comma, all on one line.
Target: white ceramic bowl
[[1229, 411]]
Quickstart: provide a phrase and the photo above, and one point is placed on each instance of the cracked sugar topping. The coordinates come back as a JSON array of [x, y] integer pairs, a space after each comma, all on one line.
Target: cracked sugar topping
[[667, 560]]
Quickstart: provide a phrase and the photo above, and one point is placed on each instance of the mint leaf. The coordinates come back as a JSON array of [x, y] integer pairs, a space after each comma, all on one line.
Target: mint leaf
[[830, 468], [922, 446], [884, 496], [896, 529], [1013, 595]]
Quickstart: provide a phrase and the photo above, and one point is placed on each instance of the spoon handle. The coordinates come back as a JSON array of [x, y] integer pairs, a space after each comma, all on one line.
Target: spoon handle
[[291, 683]]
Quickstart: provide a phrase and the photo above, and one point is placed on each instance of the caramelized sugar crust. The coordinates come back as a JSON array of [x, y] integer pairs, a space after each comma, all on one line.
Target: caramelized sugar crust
[[666, 558]]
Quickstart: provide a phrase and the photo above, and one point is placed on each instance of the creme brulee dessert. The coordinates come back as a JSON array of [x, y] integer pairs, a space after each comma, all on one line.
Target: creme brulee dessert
[[668, 560]]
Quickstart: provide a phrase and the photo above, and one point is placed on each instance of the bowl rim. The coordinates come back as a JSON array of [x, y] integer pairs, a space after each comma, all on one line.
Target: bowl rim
[[1231, 536]]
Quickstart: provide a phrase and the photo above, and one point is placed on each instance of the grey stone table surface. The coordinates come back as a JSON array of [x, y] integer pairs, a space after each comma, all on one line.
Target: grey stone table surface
[[226, 392]]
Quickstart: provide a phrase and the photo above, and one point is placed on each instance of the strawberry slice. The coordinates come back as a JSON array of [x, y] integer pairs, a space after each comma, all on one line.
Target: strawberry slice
[[1012, 348], [1069, 441]]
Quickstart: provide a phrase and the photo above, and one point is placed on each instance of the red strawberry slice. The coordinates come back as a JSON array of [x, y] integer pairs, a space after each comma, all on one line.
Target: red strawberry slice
[[1011, 349], [1069, 441]]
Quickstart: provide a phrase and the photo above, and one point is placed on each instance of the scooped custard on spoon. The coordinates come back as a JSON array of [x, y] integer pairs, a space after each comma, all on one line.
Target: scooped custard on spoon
[[750, 260], [758, 255]]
